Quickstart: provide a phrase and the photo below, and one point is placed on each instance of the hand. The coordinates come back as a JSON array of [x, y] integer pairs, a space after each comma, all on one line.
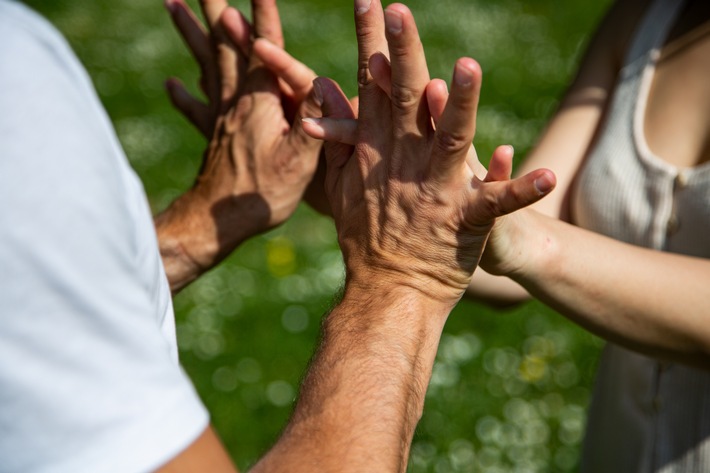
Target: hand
[[259, 161], [409, 210]]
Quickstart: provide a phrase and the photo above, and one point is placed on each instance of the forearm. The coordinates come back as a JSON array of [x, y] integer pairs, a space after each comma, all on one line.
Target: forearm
[[649, 301], [496, 291], [364, 392]]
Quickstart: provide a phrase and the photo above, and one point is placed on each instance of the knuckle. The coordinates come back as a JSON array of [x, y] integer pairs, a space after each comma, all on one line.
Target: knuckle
[[405, 97], [491, 205], [364, 79], [448, 141]]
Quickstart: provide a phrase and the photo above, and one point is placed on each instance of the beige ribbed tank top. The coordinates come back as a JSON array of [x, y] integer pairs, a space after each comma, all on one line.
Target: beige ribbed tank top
[[645, 416]]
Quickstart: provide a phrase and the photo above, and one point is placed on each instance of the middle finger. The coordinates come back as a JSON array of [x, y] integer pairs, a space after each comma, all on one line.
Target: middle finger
[[410, 74], [369, 27]]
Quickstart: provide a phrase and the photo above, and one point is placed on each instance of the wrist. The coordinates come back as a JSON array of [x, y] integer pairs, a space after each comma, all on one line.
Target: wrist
[[415, 280], [521, 245], [388, 307], [194, 234]]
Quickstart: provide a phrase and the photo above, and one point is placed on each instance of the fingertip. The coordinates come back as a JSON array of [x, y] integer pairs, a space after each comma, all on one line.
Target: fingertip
[[235, 24], [467, 72], [439, 85], [437, 91], [229, 14], [545, 182], [313, 128], [171, 6], [393, 20], [263, 43], [362, 6], [505, 152], [172, 86]]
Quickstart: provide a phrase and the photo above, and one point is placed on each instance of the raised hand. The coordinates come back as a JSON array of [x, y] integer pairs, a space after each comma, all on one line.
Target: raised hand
[[409, 209], [258, 161]]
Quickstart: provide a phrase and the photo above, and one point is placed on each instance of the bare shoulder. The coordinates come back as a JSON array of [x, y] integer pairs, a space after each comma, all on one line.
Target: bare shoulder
[[608, 46]]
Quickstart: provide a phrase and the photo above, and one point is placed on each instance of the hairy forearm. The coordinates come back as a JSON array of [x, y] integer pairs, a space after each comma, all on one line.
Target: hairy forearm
[[364, 391], [650, 301]]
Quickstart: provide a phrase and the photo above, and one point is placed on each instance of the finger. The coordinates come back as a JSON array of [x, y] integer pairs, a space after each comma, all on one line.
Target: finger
[[194, 110], [338, 130], [369, 28], [267, 23], [300, 141], [501, 166], [191, 30], [437, 93], [197, 41], [381, 72], [237, 30], [472, 161], [334, 105], [457, 125], [315, 195], [355, 104], [212, 10], [410, 74], [294, 73], [230, 58], [508, 196]]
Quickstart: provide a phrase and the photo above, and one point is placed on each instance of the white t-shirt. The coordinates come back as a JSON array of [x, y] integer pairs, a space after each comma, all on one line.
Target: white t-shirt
[[89, 378]]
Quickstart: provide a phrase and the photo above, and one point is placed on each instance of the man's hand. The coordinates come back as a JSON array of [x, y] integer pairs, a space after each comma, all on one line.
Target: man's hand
[[409, 209], [259, 161]]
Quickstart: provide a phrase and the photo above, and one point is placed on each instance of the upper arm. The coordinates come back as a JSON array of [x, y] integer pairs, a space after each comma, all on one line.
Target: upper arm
[[204, 454], [568, 137]]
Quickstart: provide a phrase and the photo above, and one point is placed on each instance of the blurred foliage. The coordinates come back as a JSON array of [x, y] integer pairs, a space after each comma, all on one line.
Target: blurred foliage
[[509, 389]]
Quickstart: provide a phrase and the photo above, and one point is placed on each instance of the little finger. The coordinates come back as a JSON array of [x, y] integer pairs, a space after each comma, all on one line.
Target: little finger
[[437, 93]]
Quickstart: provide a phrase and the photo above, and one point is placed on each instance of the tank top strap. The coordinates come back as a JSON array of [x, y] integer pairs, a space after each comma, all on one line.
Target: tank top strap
[[653, 28]]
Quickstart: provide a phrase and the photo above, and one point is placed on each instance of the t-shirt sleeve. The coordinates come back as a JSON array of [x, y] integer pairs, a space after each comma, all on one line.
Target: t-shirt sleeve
[[88, 379]]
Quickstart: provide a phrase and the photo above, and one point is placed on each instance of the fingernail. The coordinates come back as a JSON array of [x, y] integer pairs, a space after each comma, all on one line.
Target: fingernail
[[511, 149], [393, 21], [362, 6], [544, 184], [463, 76], [315, 130], [317, 92]]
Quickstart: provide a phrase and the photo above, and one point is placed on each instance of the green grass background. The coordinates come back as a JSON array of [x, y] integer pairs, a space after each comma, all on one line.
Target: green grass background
[[510, 388]]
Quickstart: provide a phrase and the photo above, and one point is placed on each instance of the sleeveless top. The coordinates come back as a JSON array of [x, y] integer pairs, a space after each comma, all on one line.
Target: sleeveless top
[[645, 415]]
